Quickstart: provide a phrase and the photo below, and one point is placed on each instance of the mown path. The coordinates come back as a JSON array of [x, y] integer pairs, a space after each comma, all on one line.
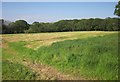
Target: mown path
[[44, 72], [50, 72]]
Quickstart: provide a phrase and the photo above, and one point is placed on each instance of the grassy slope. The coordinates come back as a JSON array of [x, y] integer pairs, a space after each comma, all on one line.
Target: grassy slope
[[91, 57]]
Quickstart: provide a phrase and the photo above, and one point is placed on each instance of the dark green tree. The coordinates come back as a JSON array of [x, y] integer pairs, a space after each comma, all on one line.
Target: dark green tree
[[19, 26], [117, 9], [34, 28]]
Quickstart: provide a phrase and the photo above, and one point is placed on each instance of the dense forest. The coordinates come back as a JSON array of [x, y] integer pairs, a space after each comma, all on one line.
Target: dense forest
[[92, 24]]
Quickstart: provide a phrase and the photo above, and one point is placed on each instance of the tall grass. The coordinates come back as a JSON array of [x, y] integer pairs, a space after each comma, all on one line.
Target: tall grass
[[95, 58], [15, 71]]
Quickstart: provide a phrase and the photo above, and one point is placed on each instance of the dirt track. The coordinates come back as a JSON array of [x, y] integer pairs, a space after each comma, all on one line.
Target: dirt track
[[49, 72]]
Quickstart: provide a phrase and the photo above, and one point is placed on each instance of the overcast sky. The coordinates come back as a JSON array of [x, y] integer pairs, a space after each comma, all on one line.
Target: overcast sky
[[54, 11]]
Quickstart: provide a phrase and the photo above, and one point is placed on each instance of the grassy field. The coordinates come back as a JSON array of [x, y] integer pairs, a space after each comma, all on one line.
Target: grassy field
[[16, 71], [74, 55]]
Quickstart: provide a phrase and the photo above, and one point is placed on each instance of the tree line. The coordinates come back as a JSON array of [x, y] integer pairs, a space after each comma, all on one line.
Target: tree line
[[92, 24]]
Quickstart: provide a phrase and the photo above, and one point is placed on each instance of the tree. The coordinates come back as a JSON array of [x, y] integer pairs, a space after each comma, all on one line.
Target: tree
[[34, 28], [117, 9], [19, 26]]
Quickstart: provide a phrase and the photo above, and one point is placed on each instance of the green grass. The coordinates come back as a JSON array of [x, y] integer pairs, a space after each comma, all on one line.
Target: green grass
[[92, 57], [15, 71], [96, 57], [12, 68]]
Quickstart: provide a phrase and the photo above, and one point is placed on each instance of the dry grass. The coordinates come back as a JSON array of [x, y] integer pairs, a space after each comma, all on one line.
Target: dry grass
[[36, 40]]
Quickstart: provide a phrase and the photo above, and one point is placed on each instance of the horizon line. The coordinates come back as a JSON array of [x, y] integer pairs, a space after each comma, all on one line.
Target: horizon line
[[59, 20]]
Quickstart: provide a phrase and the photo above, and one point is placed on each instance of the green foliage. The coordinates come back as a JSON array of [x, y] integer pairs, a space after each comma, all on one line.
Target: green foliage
[[96, 24], [40, 27], [12, 71], [18, 26], [117, 9]]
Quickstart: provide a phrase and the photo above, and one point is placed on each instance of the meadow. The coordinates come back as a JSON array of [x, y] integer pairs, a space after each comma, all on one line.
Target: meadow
[[86, 55]]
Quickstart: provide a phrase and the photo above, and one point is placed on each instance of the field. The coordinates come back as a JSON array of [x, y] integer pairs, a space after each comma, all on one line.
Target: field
[[86, 55]]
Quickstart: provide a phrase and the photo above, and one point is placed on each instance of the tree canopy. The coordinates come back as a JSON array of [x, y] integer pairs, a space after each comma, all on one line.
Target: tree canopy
[[92, 24], [117, 9]]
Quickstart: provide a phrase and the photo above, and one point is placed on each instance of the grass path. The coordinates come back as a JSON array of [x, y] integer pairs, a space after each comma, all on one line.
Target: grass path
[[44, 72], [50, 72]]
